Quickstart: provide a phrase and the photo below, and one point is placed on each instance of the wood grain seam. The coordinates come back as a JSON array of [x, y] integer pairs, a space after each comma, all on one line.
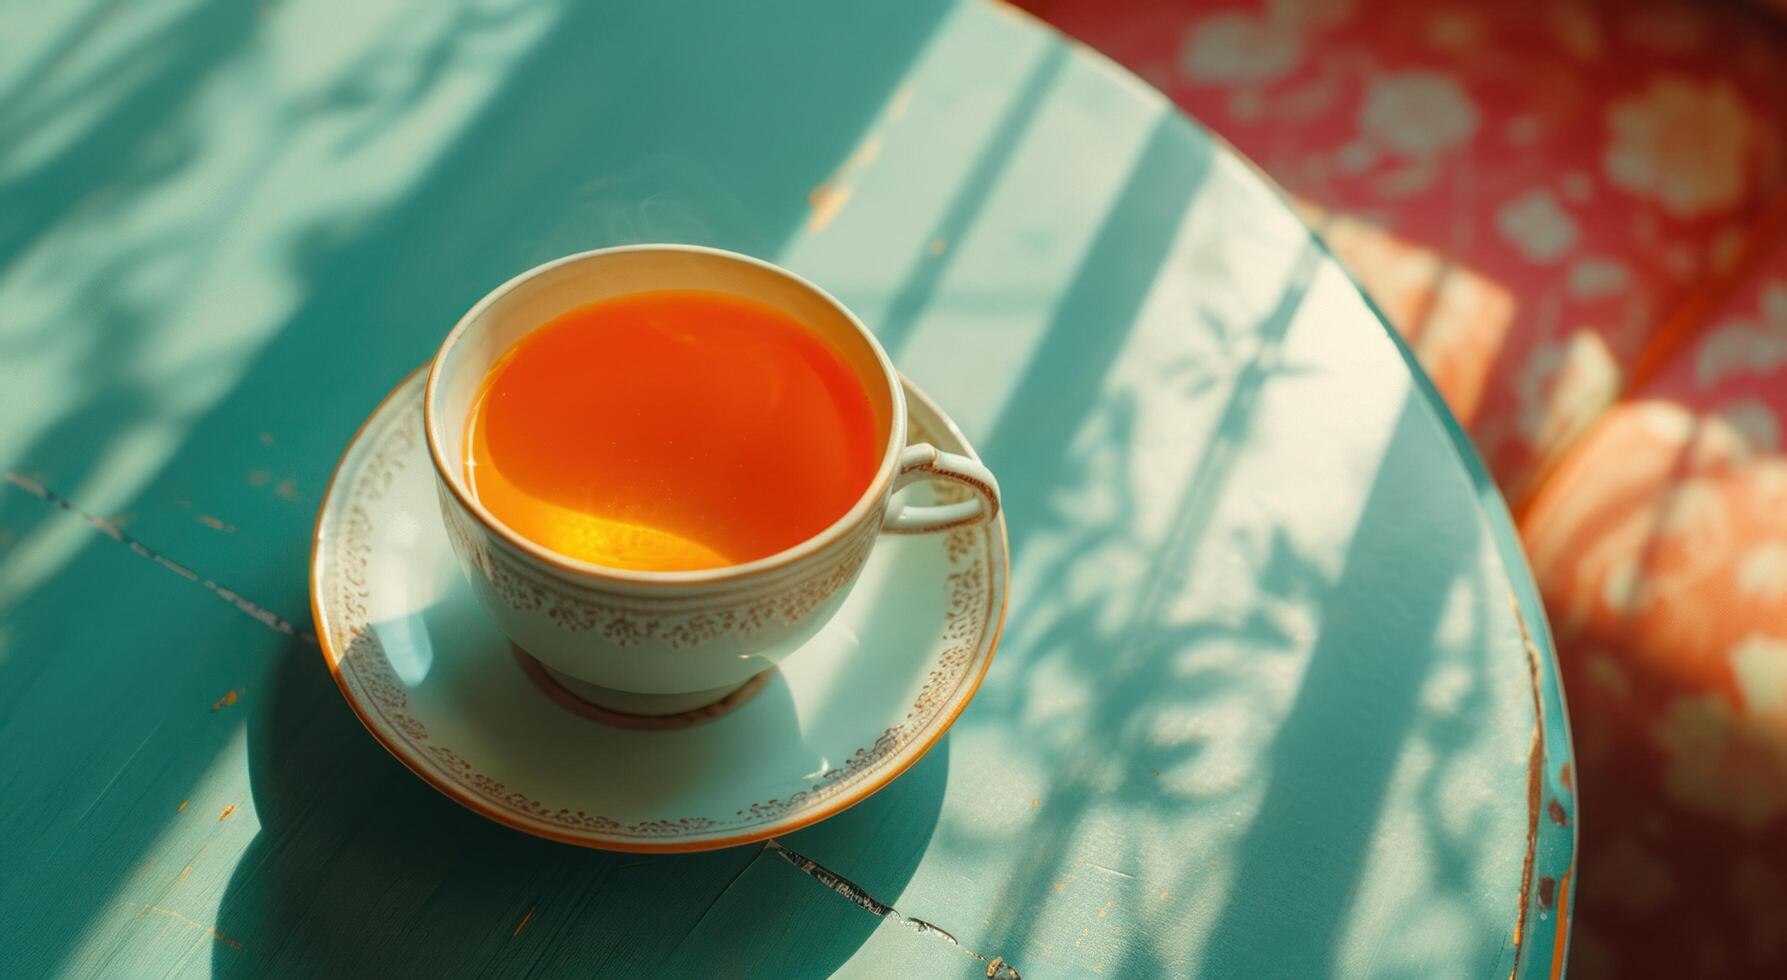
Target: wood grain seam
[[997, 967], [110, 529]]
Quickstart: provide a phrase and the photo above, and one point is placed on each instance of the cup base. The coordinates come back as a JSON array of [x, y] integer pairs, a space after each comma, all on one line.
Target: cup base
[[630, 709]]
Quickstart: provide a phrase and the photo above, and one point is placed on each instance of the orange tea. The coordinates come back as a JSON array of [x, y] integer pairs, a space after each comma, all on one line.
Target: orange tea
[[670, 430]]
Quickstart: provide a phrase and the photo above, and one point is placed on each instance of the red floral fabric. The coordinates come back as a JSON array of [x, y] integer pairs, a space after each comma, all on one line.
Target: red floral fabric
[[1526, 189]]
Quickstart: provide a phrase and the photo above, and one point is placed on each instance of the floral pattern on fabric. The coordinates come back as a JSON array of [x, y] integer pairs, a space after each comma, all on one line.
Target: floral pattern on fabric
[[1660, 544], [1585, 163], [1681, 144]]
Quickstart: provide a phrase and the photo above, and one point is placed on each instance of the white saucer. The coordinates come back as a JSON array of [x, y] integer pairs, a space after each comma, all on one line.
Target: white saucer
[[435, 682]]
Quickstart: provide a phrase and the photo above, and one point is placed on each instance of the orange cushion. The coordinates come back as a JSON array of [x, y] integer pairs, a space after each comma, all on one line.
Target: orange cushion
[[1660, 544]]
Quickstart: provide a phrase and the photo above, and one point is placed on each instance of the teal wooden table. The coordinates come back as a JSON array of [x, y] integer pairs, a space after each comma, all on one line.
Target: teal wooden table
[[1275, 698]]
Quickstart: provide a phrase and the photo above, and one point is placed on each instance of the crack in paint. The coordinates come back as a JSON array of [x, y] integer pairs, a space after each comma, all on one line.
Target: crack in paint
[[1113, 871], [997, 968], [188, 920], [110, 529]]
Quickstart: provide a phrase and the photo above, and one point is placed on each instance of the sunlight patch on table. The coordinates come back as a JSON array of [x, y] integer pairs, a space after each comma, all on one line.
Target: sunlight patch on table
[[1192, 549], [171, 891], [928, 136], [1007, 269], [50, 103], [1448, 829], [147, 302]]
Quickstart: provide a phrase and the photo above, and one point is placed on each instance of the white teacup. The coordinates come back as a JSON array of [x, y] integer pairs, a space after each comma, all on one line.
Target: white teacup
[[666, 642]]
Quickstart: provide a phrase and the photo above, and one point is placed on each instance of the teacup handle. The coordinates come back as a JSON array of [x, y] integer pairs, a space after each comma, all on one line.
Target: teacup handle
[[925, 462]]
